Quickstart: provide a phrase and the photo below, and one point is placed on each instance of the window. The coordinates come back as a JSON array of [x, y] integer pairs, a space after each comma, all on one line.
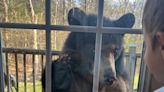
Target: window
[[50, 25]]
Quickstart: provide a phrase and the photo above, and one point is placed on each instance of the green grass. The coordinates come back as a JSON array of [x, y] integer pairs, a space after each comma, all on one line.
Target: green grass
[[38, 87], [136, 78]]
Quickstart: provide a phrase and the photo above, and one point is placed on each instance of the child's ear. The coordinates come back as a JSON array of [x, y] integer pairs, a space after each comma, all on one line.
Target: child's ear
[[160, 36]]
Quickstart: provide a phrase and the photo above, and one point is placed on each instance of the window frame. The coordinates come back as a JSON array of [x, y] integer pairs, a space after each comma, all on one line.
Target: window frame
[[99, 30]]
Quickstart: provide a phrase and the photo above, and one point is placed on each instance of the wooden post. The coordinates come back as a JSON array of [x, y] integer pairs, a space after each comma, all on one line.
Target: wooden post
[[1, 66], [131, 65]]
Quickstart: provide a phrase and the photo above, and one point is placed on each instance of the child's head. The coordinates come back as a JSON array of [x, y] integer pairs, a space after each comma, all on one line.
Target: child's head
[[153, 27]]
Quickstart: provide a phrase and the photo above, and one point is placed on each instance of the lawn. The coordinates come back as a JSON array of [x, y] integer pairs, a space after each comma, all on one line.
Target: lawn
[[29, 87], [136, 79], [39, 89]]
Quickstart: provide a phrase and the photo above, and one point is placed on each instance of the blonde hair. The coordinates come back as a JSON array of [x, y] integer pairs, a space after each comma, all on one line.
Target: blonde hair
[[153, 18]]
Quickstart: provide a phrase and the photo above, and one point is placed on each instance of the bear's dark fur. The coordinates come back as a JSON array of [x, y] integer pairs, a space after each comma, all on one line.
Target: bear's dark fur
[[73, 71]]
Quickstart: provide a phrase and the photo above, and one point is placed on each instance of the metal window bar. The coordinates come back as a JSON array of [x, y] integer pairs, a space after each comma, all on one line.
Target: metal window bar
[[25, 79], [33, 67], [48, 45], [16, 67], [40, 52], [71, 28], [1, 66], [28, 51], [7, 70], [98, 46], [42, 64]]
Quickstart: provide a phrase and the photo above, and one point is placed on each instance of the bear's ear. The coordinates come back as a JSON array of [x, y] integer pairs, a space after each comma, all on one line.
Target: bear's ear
[[126, 21], [76, 17]]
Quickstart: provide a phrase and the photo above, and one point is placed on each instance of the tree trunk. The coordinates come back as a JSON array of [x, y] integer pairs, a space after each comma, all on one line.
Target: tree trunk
[[64, 11], [34, 20], [5, 19], [56, 17]]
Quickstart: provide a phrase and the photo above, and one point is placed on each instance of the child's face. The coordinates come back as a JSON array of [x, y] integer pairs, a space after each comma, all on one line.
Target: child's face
[[153, 59]]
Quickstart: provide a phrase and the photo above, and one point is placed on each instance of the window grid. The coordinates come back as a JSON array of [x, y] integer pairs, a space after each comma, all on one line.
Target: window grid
[[1, 67], [71, 28], [97, 60], [48, 45], [99, 30]]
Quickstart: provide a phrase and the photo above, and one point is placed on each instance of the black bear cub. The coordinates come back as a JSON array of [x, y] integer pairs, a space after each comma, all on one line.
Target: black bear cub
[[73, 71]]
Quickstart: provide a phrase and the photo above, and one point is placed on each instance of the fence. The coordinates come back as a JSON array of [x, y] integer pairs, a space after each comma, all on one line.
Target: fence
[[131, 58], [25, 53]]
